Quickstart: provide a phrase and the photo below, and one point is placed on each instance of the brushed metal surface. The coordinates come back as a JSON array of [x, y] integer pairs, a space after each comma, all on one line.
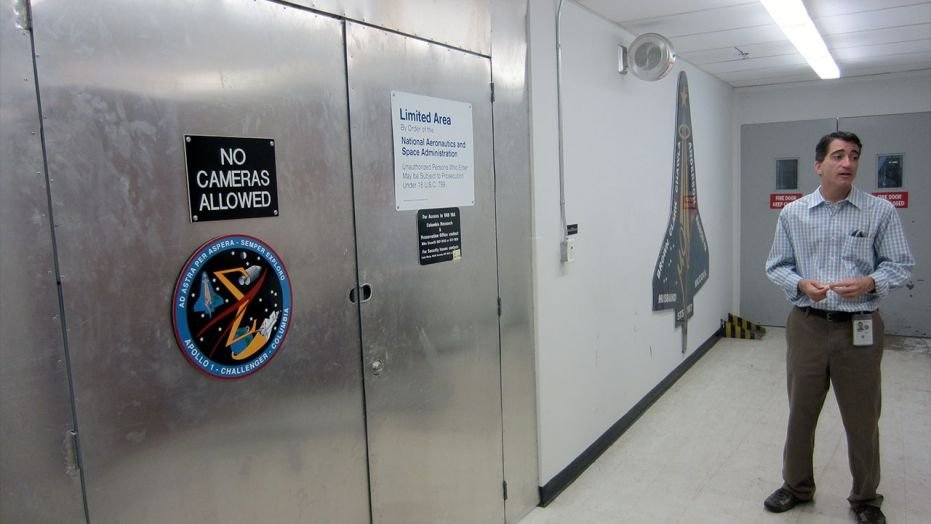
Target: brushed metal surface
[[35, 402], [434, 411], [162, 442], [465, 24], [515, 228]]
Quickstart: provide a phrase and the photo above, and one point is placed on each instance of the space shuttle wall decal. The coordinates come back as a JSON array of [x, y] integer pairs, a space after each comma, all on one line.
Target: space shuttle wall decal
[[682, 265]]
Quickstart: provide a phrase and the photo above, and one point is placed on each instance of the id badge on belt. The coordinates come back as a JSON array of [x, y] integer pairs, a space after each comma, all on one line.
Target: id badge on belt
[[862, 330]]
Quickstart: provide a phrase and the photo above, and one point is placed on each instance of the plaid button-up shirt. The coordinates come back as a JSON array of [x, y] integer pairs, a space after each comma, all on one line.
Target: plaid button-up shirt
[[856, 237]]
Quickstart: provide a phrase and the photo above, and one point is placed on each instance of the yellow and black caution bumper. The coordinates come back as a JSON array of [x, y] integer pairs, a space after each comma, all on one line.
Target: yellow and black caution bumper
[[736, 327]]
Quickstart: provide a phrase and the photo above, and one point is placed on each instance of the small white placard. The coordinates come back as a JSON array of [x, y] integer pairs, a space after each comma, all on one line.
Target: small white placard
[[433, 152]]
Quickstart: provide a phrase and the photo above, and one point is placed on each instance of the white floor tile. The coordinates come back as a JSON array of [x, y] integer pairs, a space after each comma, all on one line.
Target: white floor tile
[[710, 450]]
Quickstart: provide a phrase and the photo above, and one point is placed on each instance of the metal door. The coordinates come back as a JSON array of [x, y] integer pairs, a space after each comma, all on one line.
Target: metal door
[[429, 332], [39, 480], [761, 146], [120, 88], [907, 311]]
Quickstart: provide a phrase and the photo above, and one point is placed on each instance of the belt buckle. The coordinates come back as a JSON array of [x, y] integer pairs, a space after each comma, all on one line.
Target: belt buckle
[[835, 316]]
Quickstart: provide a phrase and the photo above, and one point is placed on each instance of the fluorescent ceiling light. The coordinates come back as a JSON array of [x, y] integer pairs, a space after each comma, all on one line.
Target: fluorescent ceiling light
[[794, 21]]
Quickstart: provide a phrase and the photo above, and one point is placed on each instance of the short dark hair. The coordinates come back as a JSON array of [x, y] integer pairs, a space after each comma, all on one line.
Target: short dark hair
[[821, 150]]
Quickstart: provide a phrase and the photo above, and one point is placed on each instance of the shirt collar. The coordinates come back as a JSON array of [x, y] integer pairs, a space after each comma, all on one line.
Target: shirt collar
[[855, 198]]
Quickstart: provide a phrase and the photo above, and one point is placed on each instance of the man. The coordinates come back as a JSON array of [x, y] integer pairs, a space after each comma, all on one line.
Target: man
[[836, 252]]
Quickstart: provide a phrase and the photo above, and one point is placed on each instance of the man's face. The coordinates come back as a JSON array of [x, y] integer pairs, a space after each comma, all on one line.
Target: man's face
[[839, 167]]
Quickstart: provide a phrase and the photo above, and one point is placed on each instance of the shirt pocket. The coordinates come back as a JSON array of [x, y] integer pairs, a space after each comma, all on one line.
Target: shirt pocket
[[857, 254]]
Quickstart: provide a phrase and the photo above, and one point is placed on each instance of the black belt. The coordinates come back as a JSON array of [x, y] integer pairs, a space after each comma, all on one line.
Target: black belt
[[833, 316]]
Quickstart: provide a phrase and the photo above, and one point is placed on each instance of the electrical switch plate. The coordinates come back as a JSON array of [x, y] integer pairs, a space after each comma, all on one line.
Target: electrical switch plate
[[567, 250]]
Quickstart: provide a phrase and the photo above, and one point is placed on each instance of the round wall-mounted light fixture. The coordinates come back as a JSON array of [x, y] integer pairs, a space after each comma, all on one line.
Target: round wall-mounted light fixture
[[649, 57]]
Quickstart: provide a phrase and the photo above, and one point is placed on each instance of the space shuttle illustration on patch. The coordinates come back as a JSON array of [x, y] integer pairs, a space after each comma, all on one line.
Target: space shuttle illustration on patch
[[208, 301], [682, 265]]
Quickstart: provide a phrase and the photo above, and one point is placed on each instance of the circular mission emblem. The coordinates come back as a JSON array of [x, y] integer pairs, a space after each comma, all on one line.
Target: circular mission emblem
[[232, 306]]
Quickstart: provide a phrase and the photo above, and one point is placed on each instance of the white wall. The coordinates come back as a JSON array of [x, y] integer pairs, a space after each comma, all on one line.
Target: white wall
[[864, 96], [600, 347]]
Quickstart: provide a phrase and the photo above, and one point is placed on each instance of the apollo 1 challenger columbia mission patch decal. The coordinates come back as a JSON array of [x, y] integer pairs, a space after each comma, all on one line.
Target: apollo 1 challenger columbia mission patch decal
[[231, 306]]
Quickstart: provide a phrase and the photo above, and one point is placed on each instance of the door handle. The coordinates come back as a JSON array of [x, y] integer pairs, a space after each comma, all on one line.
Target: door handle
[[364, 291]]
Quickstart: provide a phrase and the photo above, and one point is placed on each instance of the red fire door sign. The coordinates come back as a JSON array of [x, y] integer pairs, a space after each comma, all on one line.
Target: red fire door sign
[[779, 200], [899, 199]]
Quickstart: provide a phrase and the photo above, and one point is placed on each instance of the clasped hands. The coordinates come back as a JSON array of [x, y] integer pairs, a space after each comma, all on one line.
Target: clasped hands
[[849, 288]]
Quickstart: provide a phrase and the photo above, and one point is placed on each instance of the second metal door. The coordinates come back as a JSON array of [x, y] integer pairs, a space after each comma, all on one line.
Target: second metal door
[[429, 332]]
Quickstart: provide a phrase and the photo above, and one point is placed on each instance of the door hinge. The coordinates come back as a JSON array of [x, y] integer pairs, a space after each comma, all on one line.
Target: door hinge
[[492, 92], [499, 306], [22, 14], [504, 486], [72, 460]]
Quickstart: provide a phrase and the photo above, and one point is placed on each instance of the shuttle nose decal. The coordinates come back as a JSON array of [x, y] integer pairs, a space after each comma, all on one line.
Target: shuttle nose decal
[[682, 264]]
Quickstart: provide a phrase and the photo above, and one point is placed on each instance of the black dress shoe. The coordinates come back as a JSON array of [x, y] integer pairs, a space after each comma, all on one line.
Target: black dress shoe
[[781, 500], [869, 514]]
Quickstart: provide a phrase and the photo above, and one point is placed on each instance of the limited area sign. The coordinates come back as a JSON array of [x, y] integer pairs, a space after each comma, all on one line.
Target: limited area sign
[[434, 153], [230, 177]]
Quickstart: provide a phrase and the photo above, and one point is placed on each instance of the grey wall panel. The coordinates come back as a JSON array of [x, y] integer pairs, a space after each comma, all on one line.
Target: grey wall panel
[[120, 89], [434, 412], [515, 282], [35, 403], [906, 311], [464, 24], [760, 146]]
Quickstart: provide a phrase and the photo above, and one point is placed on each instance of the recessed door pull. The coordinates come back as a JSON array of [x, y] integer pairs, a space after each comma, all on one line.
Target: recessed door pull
[[365, 290]]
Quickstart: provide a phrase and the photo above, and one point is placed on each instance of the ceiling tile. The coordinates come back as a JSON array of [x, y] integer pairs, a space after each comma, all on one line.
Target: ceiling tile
[[736, 40]]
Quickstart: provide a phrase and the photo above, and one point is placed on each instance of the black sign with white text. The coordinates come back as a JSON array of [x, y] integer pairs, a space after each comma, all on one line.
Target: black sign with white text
[[440, 235], [230, 177]]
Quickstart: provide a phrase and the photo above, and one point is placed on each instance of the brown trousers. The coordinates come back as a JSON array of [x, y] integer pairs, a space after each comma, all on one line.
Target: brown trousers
[[821, 354]]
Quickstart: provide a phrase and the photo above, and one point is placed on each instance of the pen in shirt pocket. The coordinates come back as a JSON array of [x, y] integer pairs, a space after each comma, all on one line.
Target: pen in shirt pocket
[[858, 233]]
